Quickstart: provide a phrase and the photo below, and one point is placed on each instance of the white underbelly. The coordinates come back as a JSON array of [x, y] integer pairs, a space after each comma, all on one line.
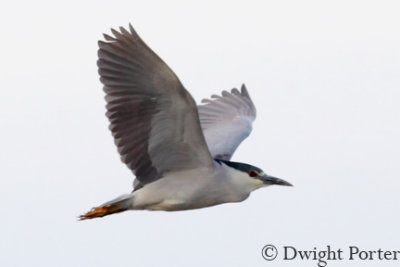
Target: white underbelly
[[186, 190], [168, 205]]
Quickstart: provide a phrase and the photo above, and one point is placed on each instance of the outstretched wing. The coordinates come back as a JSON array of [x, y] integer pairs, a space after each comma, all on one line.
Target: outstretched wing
[[153, 119], [226, 121]]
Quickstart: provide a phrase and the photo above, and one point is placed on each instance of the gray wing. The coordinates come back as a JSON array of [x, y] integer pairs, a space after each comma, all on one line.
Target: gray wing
[[226, 121], [153, 119]]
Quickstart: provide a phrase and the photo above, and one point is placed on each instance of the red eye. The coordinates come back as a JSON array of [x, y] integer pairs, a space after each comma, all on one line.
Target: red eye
[[252, 173]]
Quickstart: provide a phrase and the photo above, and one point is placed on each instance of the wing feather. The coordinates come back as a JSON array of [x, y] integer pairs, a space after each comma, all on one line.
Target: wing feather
[[153, 119], [226, 121]]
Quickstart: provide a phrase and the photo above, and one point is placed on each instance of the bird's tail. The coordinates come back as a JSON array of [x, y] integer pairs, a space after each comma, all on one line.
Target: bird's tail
[[121, 203]]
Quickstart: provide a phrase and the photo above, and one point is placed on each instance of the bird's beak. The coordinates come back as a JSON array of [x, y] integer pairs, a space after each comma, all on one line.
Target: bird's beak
[[270, 180]]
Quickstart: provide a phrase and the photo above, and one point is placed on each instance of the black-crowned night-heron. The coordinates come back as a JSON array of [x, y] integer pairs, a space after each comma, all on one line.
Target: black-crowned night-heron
[[178, 151]]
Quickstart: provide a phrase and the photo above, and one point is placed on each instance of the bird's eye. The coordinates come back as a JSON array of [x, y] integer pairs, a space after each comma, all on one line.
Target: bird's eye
[[252, 173]]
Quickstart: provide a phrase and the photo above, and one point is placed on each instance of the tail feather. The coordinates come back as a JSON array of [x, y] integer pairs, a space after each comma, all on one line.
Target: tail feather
[[119, 204]]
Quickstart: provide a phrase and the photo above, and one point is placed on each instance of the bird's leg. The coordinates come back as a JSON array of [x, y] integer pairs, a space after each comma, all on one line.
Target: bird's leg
[[119, 204], [95, 212]]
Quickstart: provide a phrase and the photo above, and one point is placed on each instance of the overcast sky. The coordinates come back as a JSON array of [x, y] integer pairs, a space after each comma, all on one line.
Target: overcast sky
[[324, 78]]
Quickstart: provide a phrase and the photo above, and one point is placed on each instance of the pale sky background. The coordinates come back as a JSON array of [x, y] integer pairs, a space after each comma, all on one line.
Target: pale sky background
[[325, 78]]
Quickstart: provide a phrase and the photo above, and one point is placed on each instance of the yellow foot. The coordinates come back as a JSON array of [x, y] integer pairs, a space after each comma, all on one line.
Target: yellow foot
[[94, 213]]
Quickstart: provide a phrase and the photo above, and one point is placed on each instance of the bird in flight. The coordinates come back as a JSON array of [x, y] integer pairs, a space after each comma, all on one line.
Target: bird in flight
[[179, 152]]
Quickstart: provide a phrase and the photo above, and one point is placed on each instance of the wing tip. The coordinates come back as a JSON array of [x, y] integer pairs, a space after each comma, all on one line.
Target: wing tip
[[108, 37], [243, 90], [122, 32]]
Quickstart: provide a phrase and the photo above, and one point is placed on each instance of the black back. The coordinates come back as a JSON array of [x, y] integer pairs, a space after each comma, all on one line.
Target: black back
[[239, 166]]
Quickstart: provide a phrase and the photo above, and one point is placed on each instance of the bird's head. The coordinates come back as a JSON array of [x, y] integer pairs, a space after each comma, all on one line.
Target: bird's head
[[251, 172]]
